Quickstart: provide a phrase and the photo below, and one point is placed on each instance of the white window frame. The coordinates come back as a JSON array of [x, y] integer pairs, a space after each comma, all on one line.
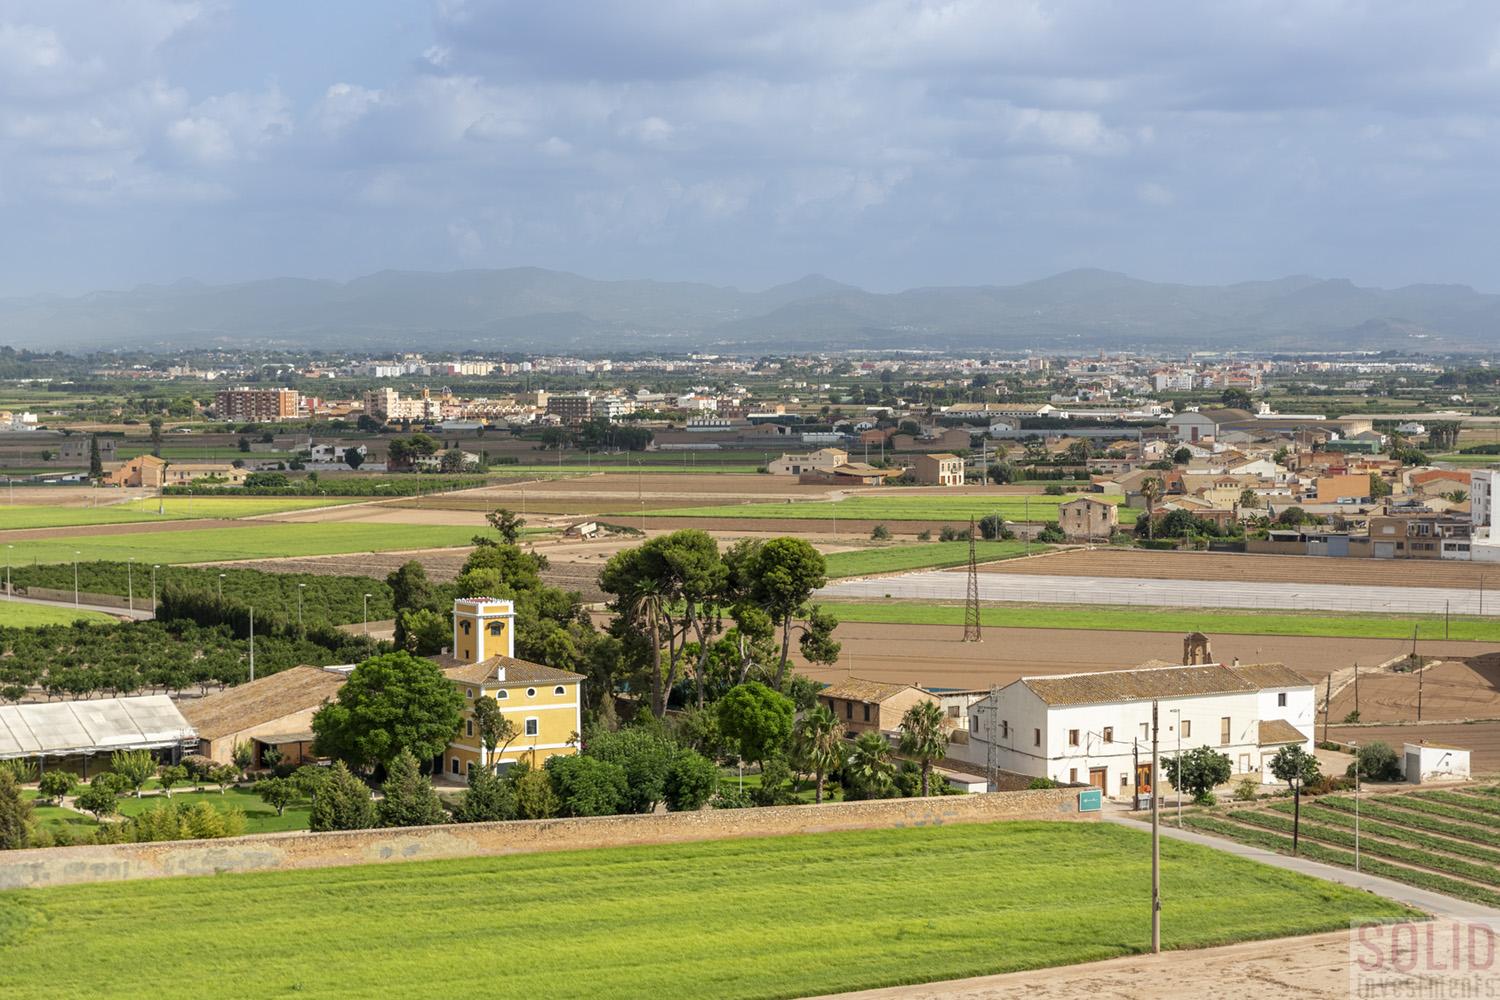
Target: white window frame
[[533, 726]]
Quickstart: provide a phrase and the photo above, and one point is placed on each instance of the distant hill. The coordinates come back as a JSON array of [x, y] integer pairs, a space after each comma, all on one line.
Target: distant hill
[[536, 309]]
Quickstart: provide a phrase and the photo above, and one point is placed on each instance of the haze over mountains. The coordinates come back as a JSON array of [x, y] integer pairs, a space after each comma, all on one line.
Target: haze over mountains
[[537, 310]]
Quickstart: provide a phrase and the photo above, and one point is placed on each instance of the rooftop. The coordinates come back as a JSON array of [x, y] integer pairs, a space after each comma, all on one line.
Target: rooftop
[[262, 700], [1275, 732], [859, 689], [518, 673], [101, 724], [1146, 683]]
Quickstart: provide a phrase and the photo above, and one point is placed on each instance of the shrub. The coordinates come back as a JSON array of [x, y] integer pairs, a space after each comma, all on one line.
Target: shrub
[[15, 814], [1051, 534], [487, 799], [691, 781], [535, 798], [344, 804], [410, 799], [1376, 762], [925, 535], [98, 798], [55, 784], [880, 533], [777, 787], [993, 527], [731, 797], [1248, 790], [587, 786], [1040, 783]]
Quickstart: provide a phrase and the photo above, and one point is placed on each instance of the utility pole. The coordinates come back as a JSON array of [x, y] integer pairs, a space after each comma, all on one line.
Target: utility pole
[[130, 584], [972, 629], [1355, 748], [1327, 705], [1356, 689], [1155, 842], [252, 644]]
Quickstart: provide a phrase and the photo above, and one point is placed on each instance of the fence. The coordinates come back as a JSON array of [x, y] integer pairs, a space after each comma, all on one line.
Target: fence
[[279, 851]]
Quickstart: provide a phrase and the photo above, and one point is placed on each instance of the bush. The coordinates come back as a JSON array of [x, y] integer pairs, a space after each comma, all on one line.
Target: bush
[[644, 755], [55, 784], [1248, 790], [1052, 534], [1037, 784], [880, 533], [1054, 490], [731, 797], [777, 784], [1376, 762], [533, 792], [587, 786], [993, 527], [410, 799], [343, 804], [691, 781], [487, 799]]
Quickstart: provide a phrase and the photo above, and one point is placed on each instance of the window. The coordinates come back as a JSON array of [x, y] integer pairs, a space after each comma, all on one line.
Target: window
[[1281, 699], [1187, 728], [1124, 780], [501, 695], [1036, 737], [1224, 730], [1005, 729], [1072, 737], [848, 709], [953, 711], [468, 727], [453, 764], [1109, 734], [497, 628], [1145, 730], [974, 723], [559, 690], [464, 628], [867, 711], [531, 727], [1072, 775], [469, 769], [468, 692], [531, 692]]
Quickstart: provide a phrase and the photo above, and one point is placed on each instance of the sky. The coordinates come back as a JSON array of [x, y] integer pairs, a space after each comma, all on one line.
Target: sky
[[886, 143]]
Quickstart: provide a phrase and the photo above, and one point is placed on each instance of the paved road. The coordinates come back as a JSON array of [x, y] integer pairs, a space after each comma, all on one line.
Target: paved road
[[1039, 589], [140, 614]]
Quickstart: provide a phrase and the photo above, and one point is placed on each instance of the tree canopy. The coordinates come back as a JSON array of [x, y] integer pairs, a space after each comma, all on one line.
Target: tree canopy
[[391, 703]]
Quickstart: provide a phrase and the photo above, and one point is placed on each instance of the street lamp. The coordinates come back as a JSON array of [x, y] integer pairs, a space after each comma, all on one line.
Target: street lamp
[[300, 588], [76, 554], [154, 568], [221, 586], [130, 584], [1355, 748], [9, 551], [367, 614]]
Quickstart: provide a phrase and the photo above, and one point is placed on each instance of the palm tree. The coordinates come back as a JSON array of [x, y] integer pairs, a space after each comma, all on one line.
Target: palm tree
[[818, 742], [922, 737], [870, 767], [1151, 491]]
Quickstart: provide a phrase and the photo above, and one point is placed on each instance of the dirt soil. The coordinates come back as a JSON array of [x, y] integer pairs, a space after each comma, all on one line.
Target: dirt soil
[[127, 528], [1451, 689], [935, 655], [1314, 967], [1222, 566], [1483, 738]]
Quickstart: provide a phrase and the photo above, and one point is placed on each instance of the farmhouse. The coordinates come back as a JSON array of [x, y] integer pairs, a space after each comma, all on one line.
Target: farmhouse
[[274, 711], [542, 703], [865, 706], [1086, 519], [822, 460], [142, 471], [1096, 727], [940, 469]]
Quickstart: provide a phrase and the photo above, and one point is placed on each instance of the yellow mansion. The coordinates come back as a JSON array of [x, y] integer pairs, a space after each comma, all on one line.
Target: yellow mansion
[[543, 703]]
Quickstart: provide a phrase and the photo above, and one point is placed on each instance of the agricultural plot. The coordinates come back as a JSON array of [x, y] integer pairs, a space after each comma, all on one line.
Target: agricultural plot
[[766, 917], [1441, 840], [252, 541], [896, 507], [156, 509], [925, 555], [259, 817], [1161, 619], [16, 614]]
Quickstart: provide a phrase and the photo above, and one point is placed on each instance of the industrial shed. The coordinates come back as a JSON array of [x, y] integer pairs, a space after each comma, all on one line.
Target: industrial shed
[[78, 730]]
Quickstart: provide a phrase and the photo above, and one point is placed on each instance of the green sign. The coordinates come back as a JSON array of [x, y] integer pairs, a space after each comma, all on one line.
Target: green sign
[[1090, 800]]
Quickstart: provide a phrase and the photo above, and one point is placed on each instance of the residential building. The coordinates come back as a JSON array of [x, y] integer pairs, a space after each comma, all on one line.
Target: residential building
[[822, 460], [1096, 727], [1345, 486], [1484, 540], [77, 448], [571, 408], [543, 703], [938, 469], [1197, 425], [257, 405], [183, 473], [871, 706], [143, 471], [849, 474], [272, 711], [1088, 520]]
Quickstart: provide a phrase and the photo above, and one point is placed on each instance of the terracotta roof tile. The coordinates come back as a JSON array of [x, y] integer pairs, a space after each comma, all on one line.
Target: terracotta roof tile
[[1274, 732], [518, 673], [859, 689], [1145, 683], [262, 700]]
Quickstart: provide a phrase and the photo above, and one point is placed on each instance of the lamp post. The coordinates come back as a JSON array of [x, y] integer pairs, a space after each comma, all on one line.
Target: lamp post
[[1355, 748], [221, 586], [130, 584], [76, 554], [154, 568], [367, 614], [300, 588], [9, 551]]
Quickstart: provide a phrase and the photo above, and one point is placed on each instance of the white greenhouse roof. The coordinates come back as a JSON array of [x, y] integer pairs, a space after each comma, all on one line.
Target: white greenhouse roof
[[105, 724]]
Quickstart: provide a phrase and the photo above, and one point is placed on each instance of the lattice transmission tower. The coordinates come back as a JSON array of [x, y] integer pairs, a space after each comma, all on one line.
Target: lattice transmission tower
[[971, 603]]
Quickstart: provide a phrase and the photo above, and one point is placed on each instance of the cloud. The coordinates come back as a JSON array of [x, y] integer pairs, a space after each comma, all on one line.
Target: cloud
[[889, 142]]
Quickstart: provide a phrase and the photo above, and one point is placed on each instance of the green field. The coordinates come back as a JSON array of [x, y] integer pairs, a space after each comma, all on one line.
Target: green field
[[256, 541], [1364, 625], [1476, 461], [923, 555], [787, 916], [14, 614], [156, 509], [896, 507]]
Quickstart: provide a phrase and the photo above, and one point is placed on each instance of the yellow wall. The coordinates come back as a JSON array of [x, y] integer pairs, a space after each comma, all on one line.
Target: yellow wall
[[556, 715]]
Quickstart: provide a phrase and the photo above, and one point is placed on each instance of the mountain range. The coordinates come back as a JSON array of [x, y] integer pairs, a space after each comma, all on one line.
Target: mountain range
[[532, 309]]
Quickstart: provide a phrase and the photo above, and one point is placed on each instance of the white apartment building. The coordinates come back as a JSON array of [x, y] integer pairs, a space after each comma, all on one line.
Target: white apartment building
[[1484, 542], [1095, 728]]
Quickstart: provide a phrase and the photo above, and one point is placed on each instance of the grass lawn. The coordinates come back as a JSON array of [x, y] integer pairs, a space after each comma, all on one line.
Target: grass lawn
[[172, 509], [923, 555], [1363, 625], [14, 614], [1477, 461], [731, 918], [259, 817], [897, 507], [259, 541]]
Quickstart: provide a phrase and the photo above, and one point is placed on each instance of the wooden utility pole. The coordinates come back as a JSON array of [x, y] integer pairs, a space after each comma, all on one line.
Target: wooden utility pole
[[1356, 688], [972, 630], [1327, 706], [1155, 843]]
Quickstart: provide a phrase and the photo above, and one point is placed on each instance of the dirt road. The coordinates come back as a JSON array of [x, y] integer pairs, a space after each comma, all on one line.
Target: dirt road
[[1232, 567]]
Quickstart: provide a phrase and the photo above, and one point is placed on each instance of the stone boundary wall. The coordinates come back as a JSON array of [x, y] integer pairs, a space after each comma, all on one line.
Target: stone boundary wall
[[35, 868]]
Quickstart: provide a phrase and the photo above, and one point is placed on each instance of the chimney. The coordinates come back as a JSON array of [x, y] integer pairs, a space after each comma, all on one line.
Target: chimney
[[500, 674]]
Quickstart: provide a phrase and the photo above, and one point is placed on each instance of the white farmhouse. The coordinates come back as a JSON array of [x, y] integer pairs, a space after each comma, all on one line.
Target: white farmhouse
[[1095, 728]]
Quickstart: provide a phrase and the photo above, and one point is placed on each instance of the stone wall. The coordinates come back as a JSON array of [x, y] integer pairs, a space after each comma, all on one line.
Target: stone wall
[[280, 851]]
